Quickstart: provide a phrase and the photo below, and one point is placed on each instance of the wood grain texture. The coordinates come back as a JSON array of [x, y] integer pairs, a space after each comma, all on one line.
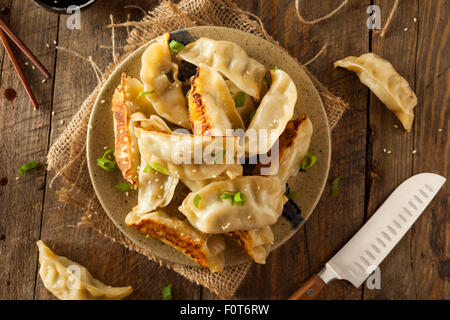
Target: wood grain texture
[[24, 137], [390, 156], [417, 268]]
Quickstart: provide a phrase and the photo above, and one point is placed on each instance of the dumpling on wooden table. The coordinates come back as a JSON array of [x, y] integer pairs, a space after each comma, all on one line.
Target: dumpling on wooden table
[[245, 203], [125, 103], [385, 82], [211, 106], [68, 280], [228, 59], [243, 102], [166, 96], [207, 250], [273, 113]]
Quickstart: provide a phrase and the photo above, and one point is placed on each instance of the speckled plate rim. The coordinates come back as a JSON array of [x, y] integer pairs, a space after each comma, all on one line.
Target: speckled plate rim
[[151, 244]]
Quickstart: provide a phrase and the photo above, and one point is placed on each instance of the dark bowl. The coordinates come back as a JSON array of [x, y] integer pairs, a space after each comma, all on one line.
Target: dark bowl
[[60, 6]]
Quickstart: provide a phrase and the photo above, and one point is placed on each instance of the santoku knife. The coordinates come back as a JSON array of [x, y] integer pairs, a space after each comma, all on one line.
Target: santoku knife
[[373, 242]]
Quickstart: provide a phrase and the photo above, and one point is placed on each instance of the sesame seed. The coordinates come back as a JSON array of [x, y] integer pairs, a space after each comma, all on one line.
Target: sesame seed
[[439, 130], [389, 152], [44, 80], [53, 113], [17, 178], [384, 150], [33, 67], [395, 126], [406, 29], [62, 121], [102, 101], [104, 148], [54, 42], [414, 152], [415, 19], [26, 63], [47, 45], [126, 193]]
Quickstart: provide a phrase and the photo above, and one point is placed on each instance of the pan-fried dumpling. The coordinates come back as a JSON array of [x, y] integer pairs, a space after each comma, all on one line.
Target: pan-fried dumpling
[[208, 251], [384, 81], [124, 104], [212, 209], [272, 115], [247, 107], [68, 280], [189, 149], [166, 96], [293, 146], [211, 107], [256, 243], [156, 189], [230, 60]]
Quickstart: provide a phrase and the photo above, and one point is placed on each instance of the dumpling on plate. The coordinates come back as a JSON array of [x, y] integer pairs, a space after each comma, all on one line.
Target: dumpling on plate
[[274, 112], [230, 60], [243, 102], [256, 243], [211, 107], [68, 280], [245, 203], [124, 104], [207, 250], [293, 146], [165, 95], [385, 82]]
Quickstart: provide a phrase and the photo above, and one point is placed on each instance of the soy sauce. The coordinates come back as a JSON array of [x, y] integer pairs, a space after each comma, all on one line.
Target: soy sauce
[[10, 94]]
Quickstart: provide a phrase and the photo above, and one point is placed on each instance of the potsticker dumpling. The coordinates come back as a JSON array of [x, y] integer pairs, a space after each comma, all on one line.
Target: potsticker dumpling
[[206, 250], [256, 243], [384, 81], [68, 280], [247, 107], [210, 212], [166, 96], [292, 148], [211, 107], [124, 104], [230, 60], [272, 115]]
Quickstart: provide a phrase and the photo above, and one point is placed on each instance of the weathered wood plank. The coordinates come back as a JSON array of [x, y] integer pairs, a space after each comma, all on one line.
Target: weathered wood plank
[[390, 148], [24, 137], [430, 246], [109, 262]]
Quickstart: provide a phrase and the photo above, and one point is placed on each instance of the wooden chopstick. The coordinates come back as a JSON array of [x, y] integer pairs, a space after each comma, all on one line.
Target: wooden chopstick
[[24, 48], [16, 65]]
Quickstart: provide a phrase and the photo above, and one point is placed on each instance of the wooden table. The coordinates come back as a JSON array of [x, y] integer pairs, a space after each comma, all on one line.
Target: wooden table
[[419, 267]]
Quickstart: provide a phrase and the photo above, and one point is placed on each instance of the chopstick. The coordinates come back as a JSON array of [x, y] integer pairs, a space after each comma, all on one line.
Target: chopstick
[[24, 48], [18, 69]]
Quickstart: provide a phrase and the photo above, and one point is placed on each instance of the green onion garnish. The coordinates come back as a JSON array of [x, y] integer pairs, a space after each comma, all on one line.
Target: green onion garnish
[[107, 162], [143, 93], [27, 167], [147, 168], [335, 186], [147, 236], [219, 156], [275, 68], [235, 197], [240, 99], [250, 118], [197, 199], [167, 292], [123, 187], [309, 160], [158, 167], [176, 46], [293, 195]]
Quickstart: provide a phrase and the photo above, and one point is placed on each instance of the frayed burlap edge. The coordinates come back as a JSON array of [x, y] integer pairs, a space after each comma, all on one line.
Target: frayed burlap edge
[[67, 156]]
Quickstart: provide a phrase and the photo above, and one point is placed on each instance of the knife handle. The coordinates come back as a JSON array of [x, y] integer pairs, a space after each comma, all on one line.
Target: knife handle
[[310, 290]]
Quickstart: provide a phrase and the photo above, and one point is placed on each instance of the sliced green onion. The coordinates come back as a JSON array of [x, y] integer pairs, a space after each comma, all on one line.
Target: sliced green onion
[[147, 236], [293, 195], [240, 99], [219, 156], [239, 198], [158, 167], [143, 93], [309, 160], [123, 187], [147, 168], [250, 118], [27, 167], [176, 46], [167, 292], [197, 199], [335, 187], [107, 162], [275, 68]]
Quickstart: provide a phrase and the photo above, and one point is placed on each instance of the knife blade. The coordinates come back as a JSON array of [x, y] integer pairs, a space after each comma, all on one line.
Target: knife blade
[[380, 234]]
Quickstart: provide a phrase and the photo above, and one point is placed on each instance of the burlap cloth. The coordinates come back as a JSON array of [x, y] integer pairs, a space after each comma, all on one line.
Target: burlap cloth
[[68, 157]]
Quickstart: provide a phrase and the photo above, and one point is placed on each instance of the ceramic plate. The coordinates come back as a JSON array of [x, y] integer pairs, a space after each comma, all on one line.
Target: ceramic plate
[[309, 184]]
